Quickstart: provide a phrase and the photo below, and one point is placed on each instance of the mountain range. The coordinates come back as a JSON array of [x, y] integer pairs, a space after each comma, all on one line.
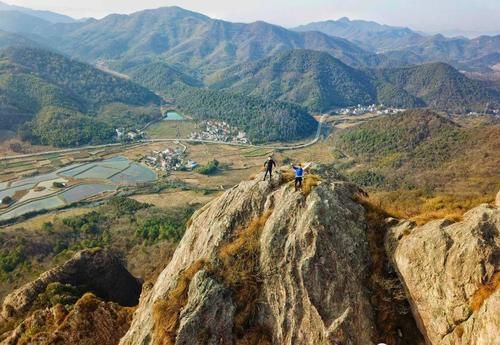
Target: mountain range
[[320, 82], [49, 16], [198, 44], [232, 71], [371, 35], [405, 46]]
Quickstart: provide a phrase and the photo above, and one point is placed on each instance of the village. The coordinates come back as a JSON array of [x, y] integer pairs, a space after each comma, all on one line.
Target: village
[[170, 159], [367, 109], [220, 131]]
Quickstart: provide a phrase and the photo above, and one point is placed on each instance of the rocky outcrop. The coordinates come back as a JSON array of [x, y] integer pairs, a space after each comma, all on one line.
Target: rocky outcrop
[[451, 275], [90, 321], [265, 263], [98, 271]]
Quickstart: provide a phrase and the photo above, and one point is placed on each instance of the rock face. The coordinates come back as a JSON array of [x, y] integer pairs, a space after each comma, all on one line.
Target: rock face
[[307, 282], [91, 321], [98, 271], [451, 274]]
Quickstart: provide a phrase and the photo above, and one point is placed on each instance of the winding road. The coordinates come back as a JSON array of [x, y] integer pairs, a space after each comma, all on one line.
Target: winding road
[[147, 141]]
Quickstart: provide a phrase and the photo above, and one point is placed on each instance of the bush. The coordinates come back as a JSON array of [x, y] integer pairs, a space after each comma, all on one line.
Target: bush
[[10, 259], [57, 293], [168, 226], [367, 178], [209, 169], [123, 205]]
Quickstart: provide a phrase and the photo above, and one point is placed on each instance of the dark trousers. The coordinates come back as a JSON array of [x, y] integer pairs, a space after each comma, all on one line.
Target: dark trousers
[[270, 172], [298, 183]]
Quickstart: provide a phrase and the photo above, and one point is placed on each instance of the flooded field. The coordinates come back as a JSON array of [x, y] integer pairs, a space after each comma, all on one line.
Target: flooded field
[[69, 185], [173, 116]]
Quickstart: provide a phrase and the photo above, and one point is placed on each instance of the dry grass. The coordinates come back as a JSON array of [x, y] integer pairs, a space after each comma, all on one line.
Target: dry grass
[[240, 272], [422, 207], [310, 181], [484, 292], [166, 311], [238, 268]]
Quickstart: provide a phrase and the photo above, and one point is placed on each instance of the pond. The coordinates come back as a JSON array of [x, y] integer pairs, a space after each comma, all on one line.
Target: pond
[[173, 116]]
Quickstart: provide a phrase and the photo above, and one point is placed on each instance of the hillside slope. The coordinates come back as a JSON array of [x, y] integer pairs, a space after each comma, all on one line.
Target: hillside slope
[[320, 82], [440, 86], [421, 165], [263, 120], [370, 35], [187, 40], [45, 87], [313, 79]]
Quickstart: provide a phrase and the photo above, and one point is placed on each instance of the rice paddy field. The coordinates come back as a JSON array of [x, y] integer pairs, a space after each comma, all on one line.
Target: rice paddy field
[[96, 174], [71, 184]]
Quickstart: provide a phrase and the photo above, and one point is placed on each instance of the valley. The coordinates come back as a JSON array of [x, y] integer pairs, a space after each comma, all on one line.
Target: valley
[[134, 208]]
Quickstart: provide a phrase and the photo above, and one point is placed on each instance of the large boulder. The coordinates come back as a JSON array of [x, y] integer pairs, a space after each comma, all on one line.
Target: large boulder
[[90, 321], [96, 270], [451, 275], [265, 263]]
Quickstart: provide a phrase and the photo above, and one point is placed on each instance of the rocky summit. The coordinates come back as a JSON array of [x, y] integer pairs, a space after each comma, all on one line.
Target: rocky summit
[[264, 264]]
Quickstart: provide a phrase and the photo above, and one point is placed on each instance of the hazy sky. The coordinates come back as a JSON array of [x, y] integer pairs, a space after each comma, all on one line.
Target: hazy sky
[[427, 15]]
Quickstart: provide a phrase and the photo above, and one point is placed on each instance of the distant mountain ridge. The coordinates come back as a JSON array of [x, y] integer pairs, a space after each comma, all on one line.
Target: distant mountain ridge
[[49, 16], [320, 82], [368, 34], [405, 46], [188, 40]]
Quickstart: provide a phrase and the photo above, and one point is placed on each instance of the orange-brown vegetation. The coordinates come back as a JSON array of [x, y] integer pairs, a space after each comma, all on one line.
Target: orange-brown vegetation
[[484, 292], [422, 208], [240, 272], [166, 311]]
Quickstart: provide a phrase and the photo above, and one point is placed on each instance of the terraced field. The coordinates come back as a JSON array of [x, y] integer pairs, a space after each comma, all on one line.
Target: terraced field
[[69, 185]]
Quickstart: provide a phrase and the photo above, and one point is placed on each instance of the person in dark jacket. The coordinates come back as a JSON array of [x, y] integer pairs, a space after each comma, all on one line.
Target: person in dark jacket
[[269, 165], [299, 175]]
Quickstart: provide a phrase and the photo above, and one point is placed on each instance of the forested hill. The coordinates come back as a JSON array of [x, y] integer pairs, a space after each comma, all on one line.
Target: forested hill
[[314, 79], [440, 86], [91, 87], [263, 120], [63, 102], [320, 82]]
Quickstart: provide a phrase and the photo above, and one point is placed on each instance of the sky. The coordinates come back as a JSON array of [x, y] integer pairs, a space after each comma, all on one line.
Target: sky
[[446, 16]]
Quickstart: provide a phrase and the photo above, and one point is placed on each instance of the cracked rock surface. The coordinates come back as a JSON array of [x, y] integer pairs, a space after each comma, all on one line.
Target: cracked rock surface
[[313, 261], [449, 272]]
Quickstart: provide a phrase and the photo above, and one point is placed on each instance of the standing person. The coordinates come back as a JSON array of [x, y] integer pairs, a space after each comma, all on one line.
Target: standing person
[[299, 175], [269, 164]]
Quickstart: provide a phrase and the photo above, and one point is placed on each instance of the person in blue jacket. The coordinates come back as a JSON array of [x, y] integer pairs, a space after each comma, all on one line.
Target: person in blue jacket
[[299, 175]]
